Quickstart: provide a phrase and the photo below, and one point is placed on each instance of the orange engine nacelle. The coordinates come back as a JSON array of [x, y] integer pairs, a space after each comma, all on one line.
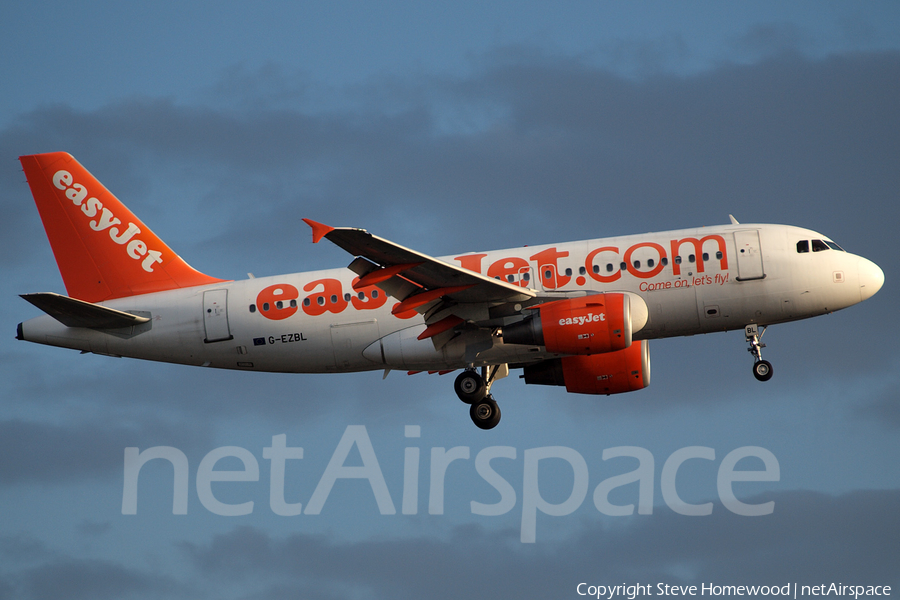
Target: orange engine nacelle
[[611, 373], [588, 325]]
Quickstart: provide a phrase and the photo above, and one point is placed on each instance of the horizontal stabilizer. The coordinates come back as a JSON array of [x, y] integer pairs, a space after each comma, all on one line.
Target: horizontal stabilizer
[[78, 313]]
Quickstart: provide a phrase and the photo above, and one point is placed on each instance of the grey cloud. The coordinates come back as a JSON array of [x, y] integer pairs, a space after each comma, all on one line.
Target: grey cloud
[[94, 579], [94, 529], [19, 549], [769, 39], [32, 570], [40, 452], [567, 139], [884, 409], [810, 539]]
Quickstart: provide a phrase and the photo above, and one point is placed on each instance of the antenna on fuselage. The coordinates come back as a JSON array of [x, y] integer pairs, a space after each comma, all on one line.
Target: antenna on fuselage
[[733, 220]]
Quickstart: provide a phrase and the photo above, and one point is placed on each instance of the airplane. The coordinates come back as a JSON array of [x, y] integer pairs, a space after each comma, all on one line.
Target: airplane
[[576, 314]]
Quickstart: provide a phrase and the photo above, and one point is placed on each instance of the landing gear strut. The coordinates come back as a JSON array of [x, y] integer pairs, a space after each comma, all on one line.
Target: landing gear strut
[[762, 369], [474, 389]]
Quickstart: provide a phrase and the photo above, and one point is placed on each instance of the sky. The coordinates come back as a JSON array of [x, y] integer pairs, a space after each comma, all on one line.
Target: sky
[[451, 128]]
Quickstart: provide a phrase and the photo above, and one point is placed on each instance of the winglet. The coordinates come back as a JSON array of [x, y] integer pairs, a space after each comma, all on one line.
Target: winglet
[[318, 230]]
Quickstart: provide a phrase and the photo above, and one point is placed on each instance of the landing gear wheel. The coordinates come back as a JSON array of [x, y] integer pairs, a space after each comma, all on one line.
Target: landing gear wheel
[[470, 387], [485, 414], [762, 370]]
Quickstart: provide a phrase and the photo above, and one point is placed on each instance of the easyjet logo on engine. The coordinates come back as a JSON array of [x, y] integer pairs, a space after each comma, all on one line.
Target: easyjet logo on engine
[[581, 320], [135, 248]]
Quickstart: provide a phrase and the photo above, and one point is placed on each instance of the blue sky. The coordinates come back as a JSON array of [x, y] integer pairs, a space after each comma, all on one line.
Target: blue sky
[[447, 129]]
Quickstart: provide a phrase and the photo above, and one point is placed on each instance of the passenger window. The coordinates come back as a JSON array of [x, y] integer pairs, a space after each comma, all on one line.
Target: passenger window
[[526, 276], [650, 263], [510, 278], [719, 255], [347, 297], [253, 308], [637, 264], [279, 305], [597, 268], [818, 246], [568, 272], [293, 304], [706, 256], [803, 246], [677, 260], [305, 302], [691, 258], [664, 261], [582, 270], [623, 266], [609, 268]]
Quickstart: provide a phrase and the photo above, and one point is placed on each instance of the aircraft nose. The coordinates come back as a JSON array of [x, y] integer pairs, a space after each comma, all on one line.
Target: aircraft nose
[[871, 278]]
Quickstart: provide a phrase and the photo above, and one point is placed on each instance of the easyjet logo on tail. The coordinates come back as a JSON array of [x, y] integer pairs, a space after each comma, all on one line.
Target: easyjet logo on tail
[[135, 248]]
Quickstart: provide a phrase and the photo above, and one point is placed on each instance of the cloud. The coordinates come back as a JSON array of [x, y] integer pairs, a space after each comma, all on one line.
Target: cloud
[[559, 149], [810, 539], [32, 451], [87, 578]]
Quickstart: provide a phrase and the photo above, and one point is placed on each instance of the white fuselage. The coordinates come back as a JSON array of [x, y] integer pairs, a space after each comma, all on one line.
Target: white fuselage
[[692, 281]]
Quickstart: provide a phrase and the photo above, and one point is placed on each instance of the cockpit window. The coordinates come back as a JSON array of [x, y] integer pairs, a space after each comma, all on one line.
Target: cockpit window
[[834, 246], [803, 246], [819, 246]]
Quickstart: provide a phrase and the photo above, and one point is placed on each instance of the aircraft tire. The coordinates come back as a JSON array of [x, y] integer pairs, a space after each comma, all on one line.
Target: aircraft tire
[[470, 387], [762, 370], [485, 413]]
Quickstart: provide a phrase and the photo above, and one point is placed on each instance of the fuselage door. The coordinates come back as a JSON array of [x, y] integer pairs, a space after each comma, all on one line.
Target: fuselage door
[[215, 316], [749, 255], [548, 277]]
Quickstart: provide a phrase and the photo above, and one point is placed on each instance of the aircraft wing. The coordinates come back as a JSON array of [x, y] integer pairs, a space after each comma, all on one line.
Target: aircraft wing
[[414, 278]]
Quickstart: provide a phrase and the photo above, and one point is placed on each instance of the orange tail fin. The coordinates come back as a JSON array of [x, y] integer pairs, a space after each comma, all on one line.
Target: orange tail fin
[[102, 249]]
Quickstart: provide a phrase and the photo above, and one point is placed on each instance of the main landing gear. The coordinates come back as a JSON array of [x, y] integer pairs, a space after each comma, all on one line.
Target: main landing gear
[[762, 369], [474, 389]]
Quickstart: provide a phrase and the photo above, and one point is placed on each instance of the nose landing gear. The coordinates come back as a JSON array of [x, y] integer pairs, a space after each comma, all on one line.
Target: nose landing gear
[[474, 389], [762, 369]]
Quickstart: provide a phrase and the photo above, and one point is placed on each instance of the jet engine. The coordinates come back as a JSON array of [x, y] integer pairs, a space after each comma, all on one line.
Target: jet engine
[[593, 324], [611, 373]]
